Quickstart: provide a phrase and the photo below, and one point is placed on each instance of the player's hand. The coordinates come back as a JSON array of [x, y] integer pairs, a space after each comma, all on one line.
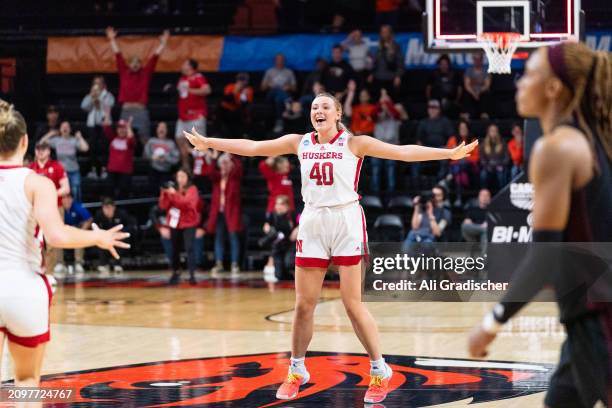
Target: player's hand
[[197, 140], [111, 33], [164, 37], [111, 239], [479, 341], [463, 150]]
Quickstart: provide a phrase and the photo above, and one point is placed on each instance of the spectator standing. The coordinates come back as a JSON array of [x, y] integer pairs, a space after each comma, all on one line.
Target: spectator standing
[[444, 85], [314, 76], [358, 52], [192, 90], [66, 147], [120, 155], [476, 82], [95, 103], [465, 170], [183, 206], [337, 74], [134, 80], [387, 12], [162, 154], [433, 131], [279, 82], [493, 159], [386, 128], [294, 117], [76, 216], [281, 231], [53, 170], [225, 215], [107, 217], [202, 167], [50, 128], [276, 172], [515, 148], [388, 65], [474, 227], [362, 114], [429, 217], [234, 109]]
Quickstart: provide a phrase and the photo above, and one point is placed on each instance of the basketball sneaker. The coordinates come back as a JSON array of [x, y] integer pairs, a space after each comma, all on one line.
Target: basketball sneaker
[[289, 389], [378, 388]]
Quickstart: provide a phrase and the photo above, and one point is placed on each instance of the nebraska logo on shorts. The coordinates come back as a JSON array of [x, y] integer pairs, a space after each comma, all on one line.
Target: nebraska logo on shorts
[[337, 380], [298, 245]]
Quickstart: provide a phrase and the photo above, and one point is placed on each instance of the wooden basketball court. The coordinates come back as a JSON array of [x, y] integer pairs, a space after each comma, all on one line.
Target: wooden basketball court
[[97, 329]]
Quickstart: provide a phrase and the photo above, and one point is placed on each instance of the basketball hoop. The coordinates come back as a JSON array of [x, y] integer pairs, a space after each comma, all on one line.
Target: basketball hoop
[[500, 48]]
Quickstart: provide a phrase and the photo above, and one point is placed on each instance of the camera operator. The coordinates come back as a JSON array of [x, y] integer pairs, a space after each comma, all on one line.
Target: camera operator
[[281, 231], [182, 202], [429, 218]]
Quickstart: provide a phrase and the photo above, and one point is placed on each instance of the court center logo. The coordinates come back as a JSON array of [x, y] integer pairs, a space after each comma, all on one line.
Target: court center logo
[[337, 380]]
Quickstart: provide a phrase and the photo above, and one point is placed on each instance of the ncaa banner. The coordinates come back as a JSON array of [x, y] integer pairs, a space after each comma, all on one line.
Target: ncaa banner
[[245, 53]]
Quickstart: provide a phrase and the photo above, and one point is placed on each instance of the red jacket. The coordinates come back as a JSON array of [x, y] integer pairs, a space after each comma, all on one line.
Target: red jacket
[[187, 202], [134, 86], [120, 152], [233, 207], [278, 184]]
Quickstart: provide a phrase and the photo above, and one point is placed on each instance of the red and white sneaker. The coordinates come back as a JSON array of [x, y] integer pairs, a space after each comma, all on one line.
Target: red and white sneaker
[[290, 388], [378, 388]]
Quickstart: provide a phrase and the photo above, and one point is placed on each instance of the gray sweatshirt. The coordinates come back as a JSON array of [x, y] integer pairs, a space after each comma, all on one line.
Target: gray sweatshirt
[[165, 150]]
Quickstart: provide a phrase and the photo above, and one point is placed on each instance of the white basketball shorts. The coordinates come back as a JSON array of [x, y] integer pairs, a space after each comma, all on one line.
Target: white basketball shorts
[[25, 299], [335, 235]]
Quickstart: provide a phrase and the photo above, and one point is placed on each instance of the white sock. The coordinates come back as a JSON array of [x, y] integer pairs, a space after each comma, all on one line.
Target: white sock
[[297, 366], [379, 367]]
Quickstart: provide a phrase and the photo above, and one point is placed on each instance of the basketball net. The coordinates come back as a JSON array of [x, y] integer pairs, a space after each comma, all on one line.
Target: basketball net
[[500, 48]]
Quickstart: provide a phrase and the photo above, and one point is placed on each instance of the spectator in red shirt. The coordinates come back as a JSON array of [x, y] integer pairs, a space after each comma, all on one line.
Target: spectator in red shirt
[[387, 12], [276, 172], [463, 171], [233, 112], [363, 114], [53, 170], [192, 89], [183, 206], [225, 214], [202, 168], [134, 80], [515, 148], [120, 155]]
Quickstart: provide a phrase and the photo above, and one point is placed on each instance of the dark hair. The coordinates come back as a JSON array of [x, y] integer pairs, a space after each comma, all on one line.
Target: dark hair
[[12, 128], [187, 171], [470, 136], [587, 74], [443, 57], [193, 63], [101, 78], [441, 188], [336, 46]]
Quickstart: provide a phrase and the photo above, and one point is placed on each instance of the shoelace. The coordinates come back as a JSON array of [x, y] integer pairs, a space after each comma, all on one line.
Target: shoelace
[[376, 382], [293, 378]]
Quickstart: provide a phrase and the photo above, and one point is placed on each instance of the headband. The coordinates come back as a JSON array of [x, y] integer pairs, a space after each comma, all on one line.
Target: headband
[[557, 63]]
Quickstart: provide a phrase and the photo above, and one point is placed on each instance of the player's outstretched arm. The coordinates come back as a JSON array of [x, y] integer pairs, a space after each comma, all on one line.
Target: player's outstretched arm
[[287, 144], [368, 146], [58, 235]]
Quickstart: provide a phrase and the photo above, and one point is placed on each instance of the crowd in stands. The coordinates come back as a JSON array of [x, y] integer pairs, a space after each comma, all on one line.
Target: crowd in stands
[[368, 81]]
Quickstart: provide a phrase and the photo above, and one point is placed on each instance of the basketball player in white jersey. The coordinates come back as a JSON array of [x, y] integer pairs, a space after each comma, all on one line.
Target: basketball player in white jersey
[[28, 200], [332, 227]]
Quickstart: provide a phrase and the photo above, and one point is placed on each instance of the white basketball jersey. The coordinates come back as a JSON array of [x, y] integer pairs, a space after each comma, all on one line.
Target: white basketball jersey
[[19, 248], [330, 171]]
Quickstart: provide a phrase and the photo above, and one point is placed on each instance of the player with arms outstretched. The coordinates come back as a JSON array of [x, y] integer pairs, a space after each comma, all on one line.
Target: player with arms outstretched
[[332, 227], [29, 201]]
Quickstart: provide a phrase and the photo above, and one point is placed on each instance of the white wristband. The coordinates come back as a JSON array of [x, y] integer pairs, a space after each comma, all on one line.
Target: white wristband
[[490, 324]]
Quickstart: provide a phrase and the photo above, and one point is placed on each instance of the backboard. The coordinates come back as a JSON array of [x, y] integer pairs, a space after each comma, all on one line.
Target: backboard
[[454, 25]]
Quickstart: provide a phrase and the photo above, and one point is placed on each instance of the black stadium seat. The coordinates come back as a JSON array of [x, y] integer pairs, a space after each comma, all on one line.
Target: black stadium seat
[[389, 228]]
